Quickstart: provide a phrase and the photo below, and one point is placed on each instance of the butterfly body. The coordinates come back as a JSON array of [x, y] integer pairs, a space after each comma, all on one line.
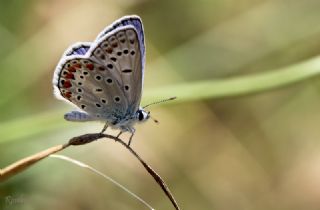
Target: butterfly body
[[104, 78]]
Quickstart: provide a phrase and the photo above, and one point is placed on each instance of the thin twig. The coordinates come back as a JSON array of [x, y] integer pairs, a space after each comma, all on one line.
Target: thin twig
[[24, 163]]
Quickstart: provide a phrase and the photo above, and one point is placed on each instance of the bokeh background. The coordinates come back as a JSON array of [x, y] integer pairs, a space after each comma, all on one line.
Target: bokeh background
[[246, 152]]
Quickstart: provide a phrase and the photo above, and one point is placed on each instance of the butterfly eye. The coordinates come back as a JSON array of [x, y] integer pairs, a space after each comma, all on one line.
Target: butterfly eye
[[140, 116]]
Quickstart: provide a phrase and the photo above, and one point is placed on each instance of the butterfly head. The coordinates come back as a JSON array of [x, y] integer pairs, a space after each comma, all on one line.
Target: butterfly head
[[142, 115]]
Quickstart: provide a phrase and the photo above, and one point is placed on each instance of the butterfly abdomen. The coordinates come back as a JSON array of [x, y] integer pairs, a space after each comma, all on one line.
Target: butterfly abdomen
[[78, 116]]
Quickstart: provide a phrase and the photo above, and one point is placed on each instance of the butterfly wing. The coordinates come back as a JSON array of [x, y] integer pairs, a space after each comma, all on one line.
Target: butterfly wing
[[104, 78], [120, 51], [135, 22], [131, 20], [80, 48], [92, 88]]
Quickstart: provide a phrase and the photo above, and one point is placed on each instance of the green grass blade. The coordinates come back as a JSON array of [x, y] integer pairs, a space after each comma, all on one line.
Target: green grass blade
[[191, 91]]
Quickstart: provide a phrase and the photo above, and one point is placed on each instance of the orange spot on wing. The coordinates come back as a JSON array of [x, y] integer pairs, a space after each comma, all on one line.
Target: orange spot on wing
[[90, 66], [109, 50], [68, 95], [69, 76], [67, 84], [72, 69], [77, 65]]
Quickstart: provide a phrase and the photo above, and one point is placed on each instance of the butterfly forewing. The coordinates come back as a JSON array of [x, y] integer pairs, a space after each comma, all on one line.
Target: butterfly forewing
[[132, 20], [120, 53]]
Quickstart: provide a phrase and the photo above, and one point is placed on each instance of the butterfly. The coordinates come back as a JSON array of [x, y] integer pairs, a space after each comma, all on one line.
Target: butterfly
[[104, 78]]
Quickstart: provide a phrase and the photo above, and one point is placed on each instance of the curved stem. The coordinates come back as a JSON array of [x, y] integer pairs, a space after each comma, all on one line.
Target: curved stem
[[24, 163]]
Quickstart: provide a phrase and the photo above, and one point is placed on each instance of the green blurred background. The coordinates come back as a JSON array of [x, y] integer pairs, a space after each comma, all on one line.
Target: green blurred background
[[246, 152]]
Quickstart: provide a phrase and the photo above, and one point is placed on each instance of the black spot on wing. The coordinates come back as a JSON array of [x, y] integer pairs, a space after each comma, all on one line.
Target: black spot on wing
[[127, 71]]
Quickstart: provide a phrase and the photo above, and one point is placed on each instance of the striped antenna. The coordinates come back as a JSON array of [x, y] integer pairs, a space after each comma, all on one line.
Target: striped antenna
[[158, 102]]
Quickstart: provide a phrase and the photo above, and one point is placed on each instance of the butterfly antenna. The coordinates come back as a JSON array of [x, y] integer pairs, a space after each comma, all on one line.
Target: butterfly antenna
[[154, 120], [158, 102]]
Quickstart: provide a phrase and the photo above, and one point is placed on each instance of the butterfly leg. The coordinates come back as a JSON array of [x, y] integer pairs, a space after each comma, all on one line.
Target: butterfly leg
[[132, 133], [104, 128], [119, 134]]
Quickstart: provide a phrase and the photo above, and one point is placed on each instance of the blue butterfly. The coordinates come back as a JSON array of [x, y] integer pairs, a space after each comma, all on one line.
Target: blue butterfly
[[104, 78]]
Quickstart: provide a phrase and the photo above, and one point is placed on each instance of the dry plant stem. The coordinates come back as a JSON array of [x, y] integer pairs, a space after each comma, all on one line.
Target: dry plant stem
[[23, 164], [87, 138], [156, 177]]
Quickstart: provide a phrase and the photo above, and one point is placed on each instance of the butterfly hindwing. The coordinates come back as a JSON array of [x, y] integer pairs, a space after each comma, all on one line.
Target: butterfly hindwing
[[92, 88], [80, 48]]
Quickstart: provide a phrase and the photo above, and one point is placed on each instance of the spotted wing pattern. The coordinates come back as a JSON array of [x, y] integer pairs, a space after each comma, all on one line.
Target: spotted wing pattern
[[134, 21], [120, 53], [103, 79]]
